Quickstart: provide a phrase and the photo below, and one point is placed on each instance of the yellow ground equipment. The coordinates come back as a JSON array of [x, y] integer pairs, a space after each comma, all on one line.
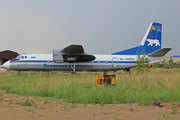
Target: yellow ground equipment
[[105, 79], [158, 63]]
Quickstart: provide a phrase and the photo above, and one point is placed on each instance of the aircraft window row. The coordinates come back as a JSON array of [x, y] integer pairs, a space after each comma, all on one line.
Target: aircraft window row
[[99, 61], [23, 57]]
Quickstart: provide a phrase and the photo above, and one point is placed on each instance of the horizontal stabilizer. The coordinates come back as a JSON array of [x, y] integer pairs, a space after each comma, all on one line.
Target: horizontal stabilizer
[[159, 53]]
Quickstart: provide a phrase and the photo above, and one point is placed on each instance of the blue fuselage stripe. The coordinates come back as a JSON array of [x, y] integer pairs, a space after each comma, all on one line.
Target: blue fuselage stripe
[[46, 61]]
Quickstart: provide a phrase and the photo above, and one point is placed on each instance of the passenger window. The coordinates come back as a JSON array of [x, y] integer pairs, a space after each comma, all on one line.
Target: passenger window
[[22, 57], [25, 57]]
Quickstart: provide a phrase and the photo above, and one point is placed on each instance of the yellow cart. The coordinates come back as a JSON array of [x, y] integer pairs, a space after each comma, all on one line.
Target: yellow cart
[[105, 79]]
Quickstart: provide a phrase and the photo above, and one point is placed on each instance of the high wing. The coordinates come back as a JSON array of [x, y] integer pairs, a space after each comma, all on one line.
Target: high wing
[[73, 49], [72, 53]]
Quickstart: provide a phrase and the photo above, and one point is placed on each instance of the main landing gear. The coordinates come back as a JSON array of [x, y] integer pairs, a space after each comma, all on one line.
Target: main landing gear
[[127, 70], [74, 69]]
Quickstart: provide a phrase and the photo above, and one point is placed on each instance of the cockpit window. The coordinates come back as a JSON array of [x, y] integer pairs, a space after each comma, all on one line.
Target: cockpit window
[[15, 59], [18, 57]]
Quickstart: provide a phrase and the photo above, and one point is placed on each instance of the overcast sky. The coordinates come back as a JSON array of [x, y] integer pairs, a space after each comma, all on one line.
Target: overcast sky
[[101, 26]]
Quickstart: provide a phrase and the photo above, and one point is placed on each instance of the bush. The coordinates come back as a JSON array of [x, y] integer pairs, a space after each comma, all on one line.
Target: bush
[[142, 62]]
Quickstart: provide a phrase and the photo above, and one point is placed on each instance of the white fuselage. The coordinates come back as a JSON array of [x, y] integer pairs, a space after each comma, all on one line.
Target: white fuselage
[[44, 62]]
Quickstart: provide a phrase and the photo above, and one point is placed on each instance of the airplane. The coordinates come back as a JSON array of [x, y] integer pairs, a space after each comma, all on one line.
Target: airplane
[[73, 58]]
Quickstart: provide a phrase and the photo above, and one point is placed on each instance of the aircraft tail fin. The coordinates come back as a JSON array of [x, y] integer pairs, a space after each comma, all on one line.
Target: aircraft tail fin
[[151, 41]]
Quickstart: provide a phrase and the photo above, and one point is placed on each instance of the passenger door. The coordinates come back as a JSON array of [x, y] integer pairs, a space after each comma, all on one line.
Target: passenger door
[[115, 62]]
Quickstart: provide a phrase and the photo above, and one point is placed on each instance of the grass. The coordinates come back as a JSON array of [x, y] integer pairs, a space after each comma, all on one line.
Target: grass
[[1, 99], [157, 84], [29, 110], [94, 113], [165, 117], [46, 101], [174, 110], [26, 103], [10, 102], [131, 109]]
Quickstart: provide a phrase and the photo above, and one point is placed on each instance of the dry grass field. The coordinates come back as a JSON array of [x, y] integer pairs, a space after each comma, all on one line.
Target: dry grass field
[[47, 95]]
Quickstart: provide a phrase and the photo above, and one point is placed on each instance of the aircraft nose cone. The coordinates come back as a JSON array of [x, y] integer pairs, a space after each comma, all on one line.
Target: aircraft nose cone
[[6, 65]]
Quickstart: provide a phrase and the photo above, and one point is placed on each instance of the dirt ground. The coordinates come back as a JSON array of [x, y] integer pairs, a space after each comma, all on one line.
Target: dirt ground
[[13, 107]]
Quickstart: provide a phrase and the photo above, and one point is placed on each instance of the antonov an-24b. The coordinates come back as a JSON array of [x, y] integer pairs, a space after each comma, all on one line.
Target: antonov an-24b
[[73, 58]]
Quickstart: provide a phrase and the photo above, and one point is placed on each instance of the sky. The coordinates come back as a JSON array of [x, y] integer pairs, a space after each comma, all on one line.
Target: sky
[[101, 26]]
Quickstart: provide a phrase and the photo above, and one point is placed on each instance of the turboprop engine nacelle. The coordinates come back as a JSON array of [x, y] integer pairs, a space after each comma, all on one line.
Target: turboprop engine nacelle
[[78, 57], [57, 56]]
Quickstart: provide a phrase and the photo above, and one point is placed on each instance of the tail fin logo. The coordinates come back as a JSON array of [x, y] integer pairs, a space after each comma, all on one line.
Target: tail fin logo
[[151, 42], [157, 27]]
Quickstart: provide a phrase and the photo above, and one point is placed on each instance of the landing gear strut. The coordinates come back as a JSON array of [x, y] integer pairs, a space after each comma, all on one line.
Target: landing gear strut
[[18, 72], [127, 70], [74, 68]]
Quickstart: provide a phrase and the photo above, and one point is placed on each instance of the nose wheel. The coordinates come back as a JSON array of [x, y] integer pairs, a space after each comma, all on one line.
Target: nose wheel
[[18, 72]]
